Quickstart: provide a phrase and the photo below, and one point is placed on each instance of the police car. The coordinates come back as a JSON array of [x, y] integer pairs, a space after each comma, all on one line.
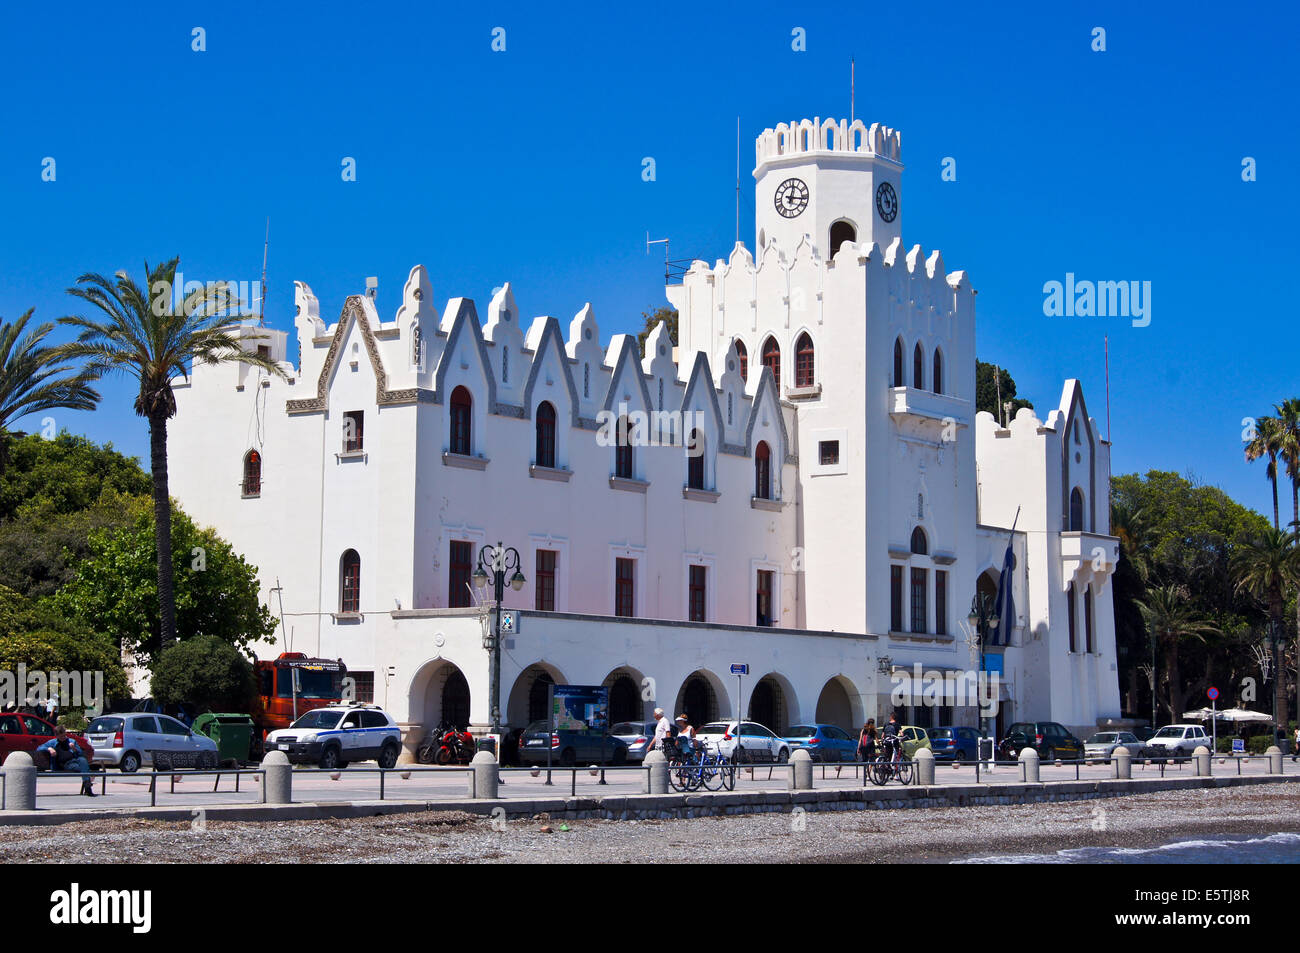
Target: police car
[[334, 736]]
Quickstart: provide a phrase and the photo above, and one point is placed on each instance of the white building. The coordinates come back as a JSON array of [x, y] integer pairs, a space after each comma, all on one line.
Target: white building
[[844, 504]]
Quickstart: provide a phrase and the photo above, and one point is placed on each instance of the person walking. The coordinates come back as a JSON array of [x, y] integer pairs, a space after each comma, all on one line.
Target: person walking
[[867, 741]]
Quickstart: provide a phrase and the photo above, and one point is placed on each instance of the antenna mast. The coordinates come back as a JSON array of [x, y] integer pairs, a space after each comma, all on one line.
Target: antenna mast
[[737, 181], [1106, 341], [852, 89], [266, 248]]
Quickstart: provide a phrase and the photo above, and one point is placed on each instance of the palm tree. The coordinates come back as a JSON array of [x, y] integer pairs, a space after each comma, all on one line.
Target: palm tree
[[1266, 567], [33, 378], [145, 336], [1170, 618], [1265, 444]]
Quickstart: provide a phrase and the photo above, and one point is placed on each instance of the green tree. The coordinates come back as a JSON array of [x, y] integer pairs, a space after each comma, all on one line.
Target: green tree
[[35, 377], [216, 591], [34, 634], [141, 333], [989, 378], [1170, 619], [1266, 568], [206, 674], [665, 314]]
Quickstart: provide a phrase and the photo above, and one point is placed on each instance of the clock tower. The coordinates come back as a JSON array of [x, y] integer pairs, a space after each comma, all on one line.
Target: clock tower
[[828, 179]]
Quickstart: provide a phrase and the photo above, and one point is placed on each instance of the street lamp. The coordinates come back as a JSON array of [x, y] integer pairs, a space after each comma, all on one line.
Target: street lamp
[[501, 560]]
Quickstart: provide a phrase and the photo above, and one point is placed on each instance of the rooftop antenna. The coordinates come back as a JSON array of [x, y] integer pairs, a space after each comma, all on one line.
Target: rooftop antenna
[[284, 631], [266, 249], [737, 182], [664, 242], [1106, 343], [852, 90]]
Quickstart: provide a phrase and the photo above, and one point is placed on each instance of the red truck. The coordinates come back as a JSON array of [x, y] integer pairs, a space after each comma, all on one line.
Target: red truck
[[320, 683]]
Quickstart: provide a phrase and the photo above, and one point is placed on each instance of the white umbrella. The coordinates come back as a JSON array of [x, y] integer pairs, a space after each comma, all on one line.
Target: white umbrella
[[1202, 714], [1244, 714]]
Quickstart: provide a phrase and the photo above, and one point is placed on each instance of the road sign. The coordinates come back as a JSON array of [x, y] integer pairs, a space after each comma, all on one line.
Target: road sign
[[1238, 746], [1212, 694], [739, 668]]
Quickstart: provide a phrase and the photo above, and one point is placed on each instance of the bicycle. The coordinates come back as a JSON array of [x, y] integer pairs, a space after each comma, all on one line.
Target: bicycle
[[885, 767]]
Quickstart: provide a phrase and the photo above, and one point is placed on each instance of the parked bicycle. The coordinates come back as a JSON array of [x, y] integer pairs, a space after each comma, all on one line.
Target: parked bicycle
[[885, 767], [693, 765]]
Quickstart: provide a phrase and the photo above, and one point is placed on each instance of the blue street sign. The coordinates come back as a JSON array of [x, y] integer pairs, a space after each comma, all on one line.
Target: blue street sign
[[1213, 694], [739, 668]]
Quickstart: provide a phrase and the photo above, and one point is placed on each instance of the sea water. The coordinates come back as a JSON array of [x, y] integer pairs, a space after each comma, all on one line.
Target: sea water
[[1281, 848]]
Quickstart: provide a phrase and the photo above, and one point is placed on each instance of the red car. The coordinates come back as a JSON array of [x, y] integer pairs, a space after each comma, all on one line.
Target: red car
[[28, 732]]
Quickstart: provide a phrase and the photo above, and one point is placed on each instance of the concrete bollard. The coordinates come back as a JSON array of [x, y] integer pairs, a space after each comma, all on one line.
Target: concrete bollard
[[1122, 763], [924, 759], [1201, 761], [279, 778], [657, 777], [20, 782], [1274, 755], [483, 777], [800, 771], [1029, 760]]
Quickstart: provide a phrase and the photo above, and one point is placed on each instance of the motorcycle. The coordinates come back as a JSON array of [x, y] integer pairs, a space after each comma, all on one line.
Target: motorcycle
[[446, 744]]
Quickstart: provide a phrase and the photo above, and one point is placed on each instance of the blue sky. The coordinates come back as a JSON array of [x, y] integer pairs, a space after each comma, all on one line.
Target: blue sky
[[525, 165]]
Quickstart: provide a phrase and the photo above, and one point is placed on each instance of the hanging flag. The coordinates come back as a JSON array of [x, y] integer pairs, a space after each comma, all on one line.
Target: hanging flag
[[1004, 605]]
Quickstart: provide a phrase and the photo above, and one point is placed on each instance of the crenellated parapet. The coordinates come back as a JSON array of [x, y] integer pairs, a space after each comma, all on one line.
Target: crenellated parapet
[[818, 136]]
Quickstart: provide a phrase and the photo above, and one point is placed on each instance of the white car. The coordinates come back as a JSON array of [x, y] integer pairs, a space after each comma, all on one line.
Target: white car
[[752, 742], [1176, 741], [131, 739], [334, 736]]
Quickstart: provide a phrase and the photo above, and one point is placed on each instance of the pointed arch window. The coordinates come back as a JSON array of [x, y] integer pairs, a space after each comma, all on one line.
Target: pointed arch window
[[462, 406], [546, 435], [505, 365], [762, 471], [899, 379], [729, 408], [920, 545], [772, 359], [936, 380], [623, 462], [742, 355], [803, 361], [586, 380], [695, 461], [1076, 510], [918, 367], [252, 473], [350, 582]]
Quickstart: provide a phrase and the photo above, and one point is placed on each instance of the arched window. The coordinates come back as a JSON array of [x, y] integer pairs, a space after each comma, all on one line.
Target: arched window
[[936, 382], [742, 355], [841, 232], [918, 367], [623, 452], [461, 408], [695, 461], [803, 361], [920, 545], [505, 365], [762, 471], [586, 380], [546, 435], [1076, 510], [252, 473], [729, 408], [772, 359], [350, 582], [899, 380]]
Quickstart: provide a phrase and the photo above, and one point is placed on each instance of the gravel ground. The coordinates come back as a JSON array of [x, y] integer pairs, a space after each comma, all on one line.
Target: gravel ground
[[917, 835]]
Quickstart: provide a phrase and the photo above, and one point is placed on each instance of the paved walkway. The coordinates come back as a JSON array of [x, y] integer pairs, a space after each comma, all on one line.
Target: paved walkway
[[361, 783]]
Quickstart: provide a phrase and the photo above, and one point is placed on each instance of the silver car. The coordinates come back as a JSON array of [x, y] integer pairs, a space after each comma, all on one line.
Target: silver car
[[637, 735], [131, 739], [1102, 745]]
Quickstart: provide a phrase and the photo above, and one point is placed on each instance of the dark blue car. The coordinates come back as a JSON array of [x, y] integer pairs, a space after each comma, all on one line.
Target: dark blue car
[[823, 742], [955, 744]]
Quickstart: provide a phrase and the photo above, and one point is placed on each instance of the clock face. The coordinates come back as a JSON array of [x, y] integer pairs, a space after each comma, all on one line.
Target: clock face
[[886, 202], [791, 197]]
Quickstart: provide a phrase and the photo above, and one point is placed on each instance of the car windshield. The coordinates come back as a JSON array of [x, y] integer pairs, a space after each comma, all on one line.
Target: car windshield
[[536, 727], [714, 729], [801, 731], [1104, 737], [1170, 732], [942, 733], [318, 719], [105, 725], [627, 728]]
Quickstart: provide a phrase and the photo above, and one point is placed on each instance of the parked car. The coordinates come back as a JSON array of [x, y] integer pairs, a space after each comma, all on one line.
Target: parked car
[[955, 743], [20, 732], [822, 742], [337, 735], [752, 742], [1102, 745], [1049, 738], [128, 740], [914, 739], [637, 735], [1176, 741], [569, 747]]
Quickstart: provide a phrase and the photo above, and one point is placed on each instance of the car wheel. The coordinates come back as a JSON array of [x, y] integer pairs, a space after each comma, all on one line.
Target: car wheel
[[739, 756], [130, 763], [1050, 755], [963, 756], [388, 757], [568, 758], [783, 756], [329, 758]]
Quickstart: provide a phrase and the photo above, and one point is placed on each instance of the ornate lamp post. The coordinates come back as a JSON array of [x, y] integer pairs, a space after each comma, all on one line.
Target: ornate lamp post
[[983, 619], [501, 560]]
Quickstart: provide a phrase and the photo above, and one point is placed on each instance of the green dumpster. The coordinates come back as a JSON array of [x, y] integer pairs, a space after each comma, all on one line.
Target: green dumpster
[[233, 734]]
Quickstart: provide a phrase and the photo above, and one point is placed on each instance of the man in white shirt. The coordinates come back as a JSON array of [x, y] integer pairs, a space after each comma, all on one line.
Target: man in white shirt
[[663, 727]]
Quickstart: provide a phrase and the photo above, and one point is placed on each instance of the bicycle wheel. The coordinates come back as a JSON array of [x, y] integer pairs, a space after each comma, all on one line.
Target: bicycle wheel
[[905, 772], [879, 770], [677, 777], [728, 772]]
